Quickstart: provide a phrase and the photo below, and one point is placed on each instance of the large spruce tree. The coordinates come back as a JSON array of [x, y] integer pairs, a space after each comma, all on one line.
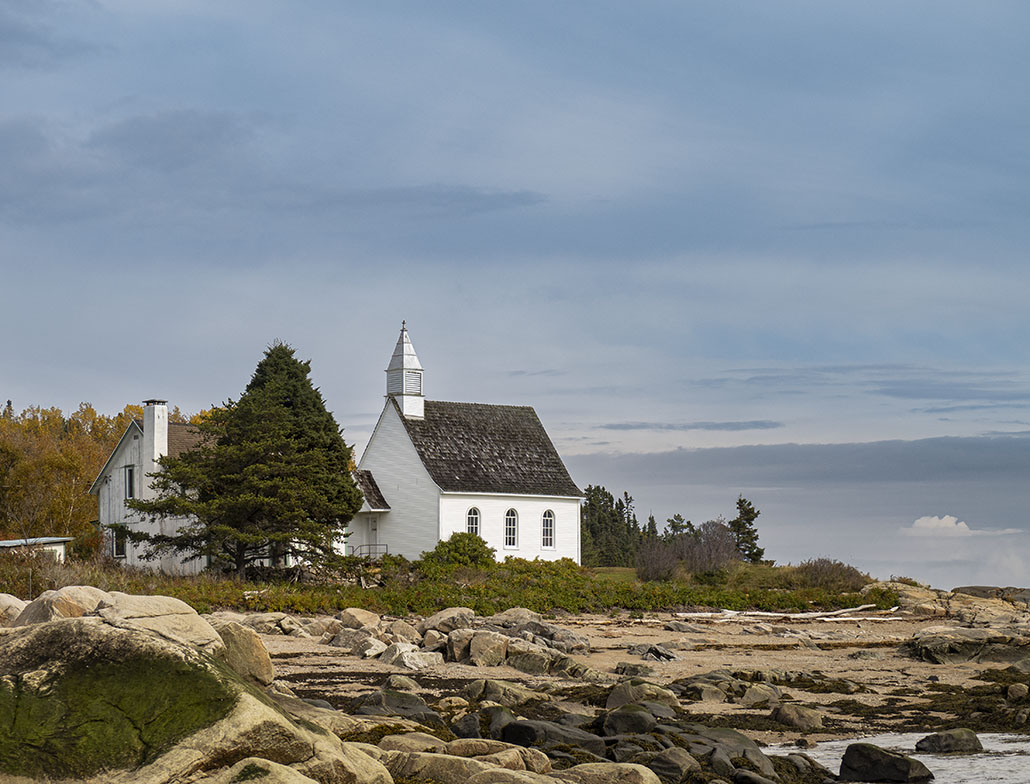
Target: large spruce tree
[[271, 476]]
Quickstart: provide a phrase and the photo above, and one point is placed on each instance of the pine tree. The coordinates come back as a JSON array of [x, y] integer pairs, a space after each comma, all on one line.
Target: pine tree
[[744, 532], [271, 476], [651, 531]]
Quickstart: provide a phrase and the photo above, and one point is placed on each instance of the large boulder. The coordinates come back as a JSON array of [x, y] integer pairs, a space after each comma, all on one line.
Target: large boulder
[[636, 690], [628, 720], [435, 767], [797, 716], [10, 608], [458, 643], [72, 601], [408, 655], [513, 617], [953, 644], [502, 692], [673, 764], [387, 702], [163, 616], [529, 657], [866, 762], [154, 694], [547, 733], [356, 618], [951, 742], [446, 621], [245, 652], [488, 649], [114, 698], [609, 773]]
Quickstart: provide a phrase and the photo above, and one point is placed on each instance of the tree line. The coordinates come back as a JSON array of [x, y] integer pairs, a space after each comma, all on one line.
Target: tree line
[[611, 535]]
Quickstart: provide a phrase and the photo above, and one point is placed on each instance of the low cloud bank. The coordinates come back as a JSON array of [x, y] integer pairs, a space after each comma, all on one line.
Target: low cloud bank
[[949, 525]]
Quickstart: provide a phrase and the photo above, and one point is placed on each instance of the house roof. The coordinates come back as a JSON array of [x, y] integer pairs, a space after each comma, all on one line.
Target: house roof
[[368, 487], [35, 541], [182, 437], [480, 448]]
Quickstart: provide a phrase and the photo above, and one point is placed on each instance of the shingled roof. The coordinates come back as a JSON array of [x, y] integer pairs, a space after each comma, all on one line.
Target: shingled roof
[[480, 448], [182, 437], [373, 495]]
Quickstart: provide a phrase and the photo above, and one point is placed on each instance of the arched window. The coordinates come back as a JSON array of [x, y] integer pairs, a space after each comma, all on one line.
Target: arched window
[[547, 530], [472, 521], [511, 528]]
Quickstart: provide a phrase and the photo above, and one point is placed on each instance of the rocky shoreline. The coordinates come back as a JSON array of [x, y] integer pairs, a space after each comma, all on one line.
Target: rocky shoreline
[[512, 697]]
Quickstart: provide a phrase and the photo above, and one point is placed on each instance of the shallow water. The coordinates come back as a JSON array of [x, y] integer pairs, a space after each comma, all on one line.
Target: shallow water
[[1005, 758]]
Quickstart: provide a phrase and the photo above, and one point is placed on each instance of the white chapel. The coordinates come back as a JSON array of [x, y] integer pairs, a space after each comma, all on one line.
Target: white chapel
[[433, 468]]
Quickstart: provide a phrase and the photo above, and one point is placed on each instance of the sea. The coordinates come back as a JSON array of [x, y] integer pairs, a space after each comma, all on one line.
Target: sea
[[1005, 758]]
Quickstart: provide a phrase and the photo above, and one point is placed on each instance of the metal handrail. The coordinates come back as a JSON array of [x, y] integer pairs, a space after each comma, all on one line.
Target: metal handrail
[[372, 550]]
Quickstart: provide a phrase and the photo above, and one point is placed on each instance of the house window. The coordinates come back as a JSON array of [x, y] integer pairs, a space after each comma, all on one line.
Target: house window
[[118, 543], [511, 528], [547, 530], [472, 521], [130, 482]]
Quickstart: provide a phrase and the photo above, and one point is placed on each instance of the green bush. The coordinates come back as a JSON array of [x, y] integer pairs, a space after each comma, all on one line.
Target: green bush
[[462, 549]]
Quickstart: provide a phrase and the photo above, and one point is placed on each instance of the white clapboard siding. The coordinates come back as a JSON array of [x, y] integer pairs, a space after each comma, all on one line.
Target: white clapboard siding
[[412, 524], [454, 509]]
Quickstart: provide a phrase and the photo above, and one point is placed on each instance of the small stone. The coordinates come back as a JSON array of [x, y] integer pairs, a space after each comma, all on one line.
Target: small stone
[[433, 640], [402, 683], [1017, 691]]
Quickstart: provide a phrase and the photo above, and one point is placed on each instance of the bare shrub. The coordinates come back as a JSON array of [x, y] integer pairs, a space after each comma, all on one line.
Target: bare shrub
[[656, 560], [710, 549], [831, 575]]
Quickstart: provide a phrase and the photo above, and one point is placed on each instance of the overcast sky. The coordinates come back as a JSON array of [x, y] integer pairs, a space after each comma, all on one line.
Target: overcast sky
[[776, 249]]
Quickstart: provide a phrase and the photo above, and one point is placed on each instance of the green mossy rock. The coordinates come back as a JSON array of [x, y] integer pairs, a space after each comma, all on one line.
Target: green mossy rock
[[78, 697]]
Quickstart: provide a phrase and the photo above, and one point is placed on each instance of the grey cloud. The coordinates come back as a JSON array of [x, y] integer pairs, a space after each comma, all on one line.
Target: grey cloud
[[969, 407], [173, 140], [926, 460], [27, 40], [917, 389], [754, 424], [188, 161]]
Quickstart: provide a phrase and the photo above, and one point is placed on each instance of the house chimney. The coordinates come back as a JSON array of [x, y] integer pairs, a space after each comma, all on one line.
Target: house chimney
[[155, 440]]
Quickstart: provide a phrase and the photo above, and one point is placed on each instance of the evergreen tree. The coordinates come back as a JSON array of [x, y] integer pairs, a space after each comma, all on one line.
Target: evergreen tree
[[610, 533], [677, 526], [271, 476], [744, 532], [651, 531]]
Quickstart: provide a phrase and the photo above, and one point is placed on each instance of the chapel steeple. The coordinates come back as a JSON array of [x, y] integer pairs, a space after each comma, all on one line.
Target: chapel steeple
[[404, 377]]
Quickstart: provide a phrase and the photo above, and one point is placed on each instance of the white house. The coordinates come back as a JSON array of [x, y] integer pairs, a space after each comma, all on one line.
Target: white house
[[124, 476], [433, 468]]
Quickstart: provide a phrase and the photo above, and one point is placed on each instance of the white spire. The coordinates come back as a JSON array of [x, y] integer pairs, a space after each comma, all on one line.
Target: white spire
[[404, 377]]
